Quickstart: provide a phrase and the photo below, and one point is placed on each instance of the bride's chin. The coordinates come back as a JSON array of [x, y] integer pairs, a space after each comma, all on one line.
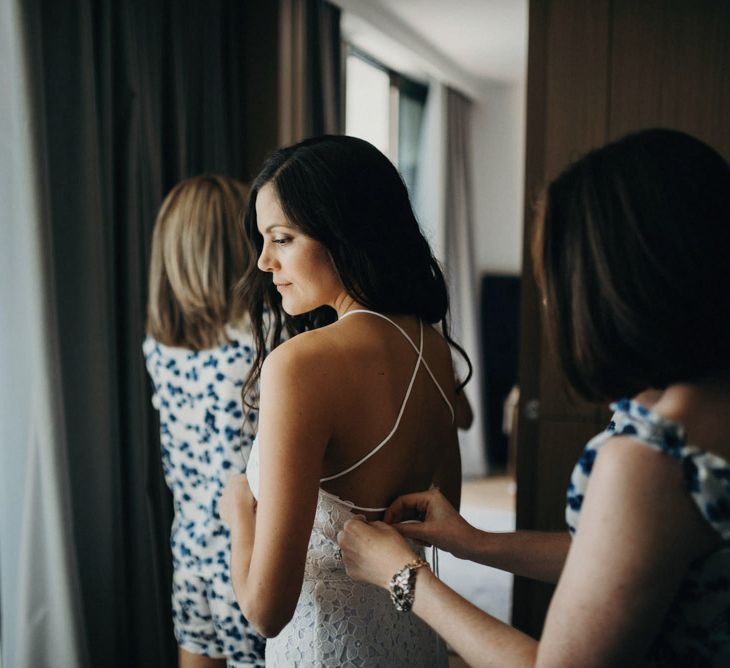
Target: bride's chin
[[298, 309], [293, 310]]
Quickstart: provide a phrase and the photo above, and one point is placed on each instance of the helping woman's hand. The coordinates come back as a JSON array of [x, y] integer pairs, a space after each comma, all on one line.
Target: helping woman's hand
[[373, 551], [441, 523], [237, 507]]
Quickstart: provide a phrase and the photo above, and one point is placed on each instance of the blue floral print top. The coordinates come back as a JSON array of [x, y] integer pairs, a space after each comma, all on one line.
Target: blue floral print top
[[198, 396], [696, 630]]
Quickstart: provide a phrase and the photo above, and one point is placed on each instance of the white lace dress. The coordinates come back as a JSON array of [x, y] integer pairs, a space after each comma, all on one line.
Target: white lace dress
[[340, 622], [337, 621]]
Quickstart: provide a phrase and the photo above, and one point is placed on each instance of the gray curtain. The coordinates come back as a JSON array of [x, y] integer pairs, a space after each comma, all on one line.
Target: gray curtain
[[310, 80], [41, 613], [125, 99], [460, 272]]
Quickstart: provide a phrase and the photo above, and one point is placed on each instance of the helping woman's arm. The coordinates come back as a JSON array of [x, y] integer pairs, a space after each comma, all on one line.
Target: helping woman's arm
[[269, 546], [639, 533], [373, 552], [539, 555]]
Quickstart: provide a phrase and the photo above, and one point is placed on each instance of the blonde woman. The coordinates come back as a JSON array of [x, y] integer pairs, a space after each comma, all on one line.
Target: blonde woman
[[198, 350]]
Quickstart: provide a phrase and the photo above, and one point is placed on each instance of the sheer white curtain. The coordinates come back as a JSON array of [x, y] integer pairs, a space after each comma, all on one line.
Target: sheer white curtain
[[429, 198], [443, 205], [41, 613]]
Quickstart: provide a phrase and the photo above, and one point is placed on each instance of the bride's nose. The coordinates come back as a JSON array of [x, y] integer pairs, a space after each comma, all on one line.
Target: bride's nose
[[265, 261]]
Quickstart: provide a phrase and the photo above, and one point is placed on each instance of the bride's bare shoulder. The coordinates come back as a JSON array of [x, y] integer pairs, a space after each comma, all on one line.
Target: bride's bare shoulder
[[306, 357]]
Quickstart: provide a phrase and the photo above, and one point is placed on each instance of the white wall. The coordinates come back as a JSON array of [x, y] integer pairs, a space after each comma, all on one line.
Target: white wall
[[498, 159]]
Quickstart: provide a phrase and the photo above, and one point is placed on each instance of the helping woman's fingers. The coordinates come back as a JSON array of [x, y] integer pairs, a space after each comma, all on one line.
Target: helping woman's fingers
[[413, 506], [428, 505], [418, 531], [441, 523]]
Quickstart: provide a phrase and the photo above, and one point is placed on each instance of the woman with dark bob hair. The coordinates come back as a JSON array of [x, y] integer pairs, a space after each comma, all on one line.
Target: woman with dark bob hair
[[358, 407], [631, 254]]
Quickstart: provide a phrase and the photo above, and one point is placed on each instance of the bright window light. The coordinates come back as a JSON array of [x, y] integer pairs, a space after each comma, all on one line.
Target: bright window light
[[367, 103]]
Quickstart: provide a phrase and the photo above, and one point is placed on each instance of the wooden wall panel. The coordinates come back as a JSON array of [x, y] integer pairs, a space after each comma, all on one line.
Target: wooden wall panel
[[566, 116], [561, 443], [671, 67], [577, 76], [573, 106], [575, 110]]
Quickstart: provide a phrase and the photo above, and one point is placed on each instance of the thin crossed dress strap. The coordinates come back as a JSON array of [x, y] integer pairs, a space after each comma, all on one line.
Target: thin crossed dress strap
[[415, 347], [420, 361]]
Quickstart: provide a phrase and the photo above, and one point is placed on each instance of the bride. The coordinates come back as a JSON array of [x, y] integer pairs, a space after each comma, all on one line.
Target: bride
[[356, 409]]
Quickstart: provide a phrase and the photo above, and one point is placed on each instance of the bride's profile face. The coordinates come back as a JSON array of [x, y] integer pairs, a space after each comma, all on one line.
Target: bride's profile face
[[300, 266]]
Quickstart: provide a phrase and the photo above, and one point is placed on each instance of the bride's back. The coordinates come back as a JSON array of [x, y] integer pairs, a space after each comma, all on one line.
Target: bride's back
[[372, 365]]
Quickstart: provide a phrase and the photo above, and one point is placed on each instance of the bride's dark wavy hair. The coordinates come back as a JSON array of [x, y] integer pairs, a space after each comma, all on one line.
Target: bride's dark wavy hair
[[347, 195]]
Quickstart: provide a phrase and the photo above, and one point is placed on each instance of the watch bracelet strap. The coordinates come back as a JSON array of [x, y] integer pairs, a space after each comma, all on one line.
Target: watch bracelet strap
[[403, 584], [418, 563]]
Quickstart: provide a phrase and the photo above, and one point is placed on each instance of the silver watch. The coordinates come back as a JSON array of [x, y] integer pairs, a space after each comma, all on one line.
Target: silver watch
[[402, 585]]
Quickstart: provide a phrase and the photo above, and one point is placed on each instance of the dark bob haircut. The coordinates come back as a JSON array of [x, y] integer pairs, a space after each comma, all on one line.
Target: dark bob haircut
[[347, 195], [632, 253]]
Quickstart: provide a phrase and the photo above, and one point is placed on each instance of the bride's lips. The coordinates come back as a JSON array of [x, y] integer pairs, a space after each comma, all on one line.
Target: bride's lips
[[281, 286]]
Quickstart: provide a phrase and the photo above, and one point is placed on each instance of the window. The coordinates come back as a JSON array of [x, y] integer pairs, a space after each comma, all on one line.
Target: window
[[386, 109]]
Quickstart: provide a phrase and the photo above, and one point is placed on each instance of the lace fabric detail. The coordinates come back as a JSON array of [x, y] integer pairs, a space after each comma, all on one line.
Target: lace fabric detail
[[340, 622]]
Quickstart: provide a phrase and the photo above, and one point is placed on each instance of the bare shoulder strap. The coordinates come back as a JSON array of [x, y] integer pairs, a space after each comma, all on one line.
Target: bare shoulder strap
[[382, 444]]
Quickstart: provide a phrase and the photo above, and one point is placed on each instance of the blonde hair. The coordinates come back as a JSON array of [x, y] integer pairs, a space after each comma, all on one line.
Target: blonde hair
[[199, 253]]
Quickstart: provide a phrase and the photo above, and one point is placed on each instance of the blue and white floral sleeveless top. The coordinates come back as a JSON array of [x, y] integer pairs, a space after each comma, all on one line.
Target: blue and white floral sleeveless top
[[696, 630], [198, 395]]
